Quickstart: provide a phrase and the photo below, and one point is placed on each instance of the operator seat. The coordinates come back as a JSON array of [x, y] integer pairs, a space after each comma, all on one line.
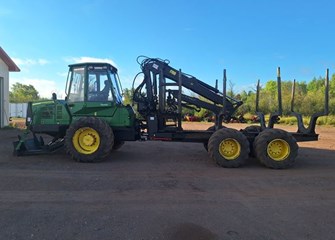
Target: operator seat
[[104, 93]]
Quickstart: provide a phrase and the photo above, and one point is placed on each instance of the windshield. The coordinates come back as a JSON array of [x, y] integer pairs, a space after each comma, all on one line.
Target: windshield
[[76, 86]]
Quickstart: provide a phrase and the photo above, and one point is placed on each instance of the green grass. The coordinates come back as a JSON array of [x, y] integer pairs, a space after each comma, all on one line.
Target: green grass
[[17, 123], [291, 120], [17, 119], [324, 121]]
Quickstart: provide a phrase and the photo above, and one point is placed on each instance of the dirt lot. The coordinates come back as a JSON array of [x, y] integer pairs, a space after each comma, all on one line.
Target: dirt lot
[[160, 190]]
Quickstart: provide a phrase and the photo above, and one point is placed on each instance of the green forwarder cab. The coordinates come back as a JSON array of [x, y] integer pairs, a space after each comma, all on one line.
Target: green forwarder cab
[[91, 121]]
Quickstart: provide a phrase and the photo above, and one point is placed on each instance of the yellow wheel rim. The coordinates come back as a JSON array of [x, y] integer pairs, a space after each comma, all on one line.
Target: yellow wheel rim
[[86, 140], [278, 149], [230, 149]]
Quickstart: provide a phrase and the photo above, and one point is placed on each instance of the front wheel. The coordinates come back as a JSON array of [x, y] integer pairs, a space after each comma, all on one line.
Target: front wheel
[[228, 148], [276, 148], [89, 139]]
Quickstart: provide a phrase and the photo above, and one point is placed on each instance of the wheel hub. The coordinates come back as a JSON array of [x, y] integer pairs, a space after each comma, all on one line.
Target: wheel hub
[[86, 140], [230, 149], [278, 149]]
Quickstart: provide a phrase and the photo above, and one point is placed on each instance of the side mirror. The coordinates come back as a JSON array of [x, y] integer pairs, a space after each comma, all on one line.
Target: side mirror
[[54, 96]]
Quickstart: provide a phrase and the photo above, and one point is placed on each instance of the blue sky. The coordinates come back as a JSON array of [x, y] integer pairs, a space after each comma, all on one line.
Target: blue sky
[[248, 38]]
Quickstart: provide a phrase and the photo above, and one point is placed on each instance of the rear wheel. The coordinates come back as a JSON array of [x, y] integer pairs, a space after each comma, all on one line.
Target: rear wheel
[[276, 148], [89, 140], [212, 128], [228, 148], [253, 129]]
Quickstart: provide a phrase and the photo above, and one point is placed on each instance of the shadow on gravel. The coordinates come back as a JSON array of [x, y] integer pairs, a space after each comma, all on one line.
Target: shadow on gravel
[[190, 231], [162, 152], [315, 158], [307, 158]]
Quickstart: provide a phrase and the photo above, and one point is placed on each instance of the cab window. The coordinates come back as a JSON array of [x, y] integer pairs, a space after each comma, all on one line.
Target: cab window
[[99, 85], [76, 88]]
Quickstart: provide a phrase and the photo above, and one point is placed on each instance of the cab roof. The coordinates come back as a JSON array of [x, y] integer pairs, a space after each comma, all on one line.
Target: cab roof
[[94, 64]]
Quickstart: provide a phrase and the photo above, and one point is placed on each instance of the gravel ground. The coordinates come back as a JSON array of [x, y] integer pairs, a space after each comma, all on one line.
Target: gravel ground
[[161, 190]]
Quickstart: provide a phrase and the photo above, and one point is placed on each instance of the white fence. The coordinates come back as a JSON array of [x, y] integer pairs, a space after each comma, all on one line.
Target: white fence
[[18, 109]]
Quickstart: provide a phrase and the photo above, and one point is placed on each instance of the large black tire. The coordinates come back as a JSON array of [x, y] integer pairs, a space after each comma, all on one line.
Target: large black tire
[[276, 148], [228, 148], [212, 128], [254, 130], [89, 139]]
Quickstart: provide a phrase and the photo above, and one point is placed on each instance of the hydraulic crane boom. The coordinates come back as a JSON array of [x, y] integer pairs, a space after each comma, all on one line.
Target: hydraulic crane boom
[[163, 93]]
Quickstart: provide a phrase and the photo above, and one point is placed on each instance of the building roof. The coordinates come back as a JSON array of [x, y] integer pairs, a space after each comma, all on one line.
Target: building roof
[[12, 67]]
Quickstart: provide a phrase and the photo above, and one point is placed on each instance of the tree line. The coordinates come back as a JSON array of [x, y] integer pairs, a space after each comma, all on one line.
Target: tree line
[[309, 97], [21, 93]]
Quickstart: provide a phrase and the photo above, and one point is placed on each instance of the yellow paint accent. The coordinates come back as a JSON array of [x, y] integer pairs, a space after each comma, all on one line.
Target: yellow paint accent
[[230, 149], [278, 149], [173, 72], [86, 140]]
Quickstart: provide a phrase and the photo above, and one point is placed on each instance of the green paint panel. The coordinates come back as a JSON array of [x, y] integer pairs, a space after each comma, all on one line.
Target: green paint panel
[[50, 112], [114, 115]]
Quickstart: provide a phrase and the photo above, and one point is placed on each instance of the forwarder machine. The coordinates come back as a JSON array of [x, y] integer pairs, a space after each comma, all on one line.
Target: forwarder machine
[[92, 121]]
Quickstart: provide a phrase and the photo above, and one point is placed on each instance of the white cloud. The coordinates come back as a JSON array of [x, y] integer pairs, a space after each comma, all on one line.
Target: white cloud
[[89, 59], [42, 61], [30, 62], [62, 74], [44, 87], [22, 62]]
